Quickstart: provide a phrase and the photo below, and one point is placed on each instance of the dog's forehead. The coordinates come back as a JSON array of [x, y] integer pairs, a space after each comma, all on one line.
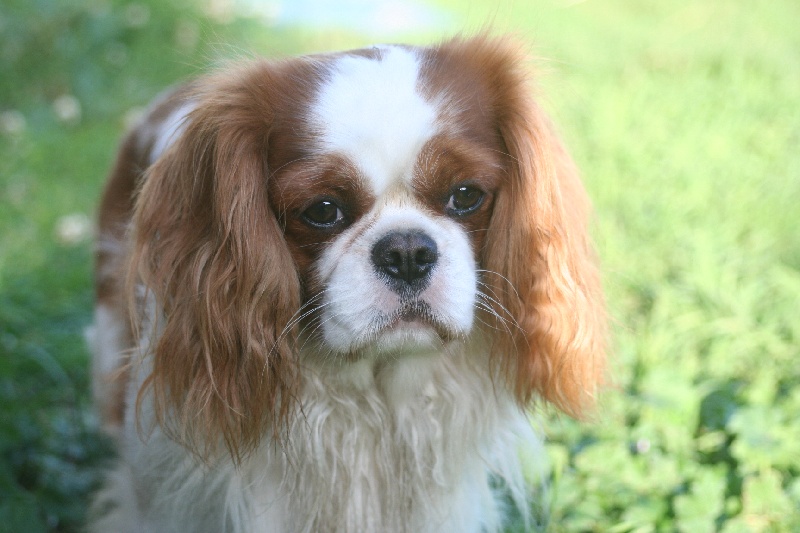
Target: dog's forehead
[[371, 110]]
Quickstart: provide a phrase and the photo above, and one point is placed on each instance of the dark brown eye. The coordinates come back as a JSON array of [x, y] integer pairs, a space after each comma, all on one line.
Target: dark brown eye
[[324, 214], [464, 200]]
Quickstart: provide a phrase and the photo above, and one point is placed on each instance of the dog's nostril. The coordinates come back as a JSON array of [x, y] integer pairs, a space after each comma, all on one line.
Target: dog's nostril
[[406, 257], [426, 256]]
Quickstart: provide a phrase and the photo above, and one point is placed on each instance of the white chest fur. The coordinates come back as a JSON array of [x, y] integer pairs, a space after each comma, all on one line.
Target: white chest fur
[[404, 446]]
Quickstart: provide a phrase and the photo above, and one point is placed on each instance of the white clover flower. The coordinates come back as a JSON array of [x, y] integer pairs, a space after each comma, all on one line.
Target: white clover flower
[[67, 109]]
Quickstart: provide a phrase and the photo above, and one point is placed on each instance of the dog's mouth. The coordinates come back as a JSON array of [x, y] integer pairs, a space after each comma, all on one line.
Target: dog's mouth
[[417, 314], [413, 310], [413, 327], [406, 328]]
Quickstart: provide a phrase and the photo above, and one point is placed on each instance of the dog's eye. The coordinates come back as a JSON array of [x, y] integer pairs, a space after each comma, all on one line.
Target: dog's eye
[[464, 200], [324, 214]]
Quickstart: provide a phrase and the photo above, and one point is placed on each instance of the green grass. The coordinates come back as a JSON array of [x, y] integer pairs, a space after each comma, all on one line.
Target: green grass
[[685, 118]]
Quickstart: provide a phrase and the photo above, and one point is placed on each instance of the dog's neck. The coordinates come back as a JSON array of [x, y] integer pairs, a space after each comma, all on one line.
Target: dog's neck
[[423, 430]]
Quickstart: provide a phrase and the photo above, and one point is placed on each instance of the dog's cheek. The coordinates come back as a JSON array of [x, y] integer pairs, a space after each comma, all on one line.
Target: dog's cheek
[[453, 289]]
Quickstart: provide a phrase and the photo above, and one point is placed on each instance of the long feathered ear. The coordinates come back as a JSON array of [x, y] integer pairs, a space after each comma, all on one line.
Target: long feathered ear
[[210, 250], [540, 262]]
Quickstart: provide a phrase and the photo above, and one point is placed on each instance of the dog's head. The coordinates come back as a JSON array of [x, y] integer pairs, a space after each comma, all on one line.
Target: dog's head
[[367, 204]]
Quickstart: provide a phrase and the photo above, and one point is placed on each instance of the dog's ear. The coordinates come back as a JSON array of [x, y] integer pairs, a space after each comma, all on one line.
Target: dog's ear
[[209, 249], [550, 330]]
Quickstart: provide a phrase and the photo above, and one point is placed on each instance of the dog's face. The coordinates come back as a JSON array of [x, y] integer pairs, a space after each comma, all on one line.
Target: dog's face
[[386, 205], [392, 200]]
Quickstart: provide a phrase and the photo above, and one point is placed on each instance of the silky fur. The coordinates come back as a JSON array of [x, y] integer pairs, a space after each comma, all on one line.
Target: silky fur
[[413, 448], [231, 411]]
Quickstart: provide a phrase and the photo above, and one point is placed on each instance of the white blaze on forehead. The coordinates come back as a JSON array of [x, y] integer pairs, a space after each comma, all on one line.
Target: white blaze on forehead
[[371, 111]]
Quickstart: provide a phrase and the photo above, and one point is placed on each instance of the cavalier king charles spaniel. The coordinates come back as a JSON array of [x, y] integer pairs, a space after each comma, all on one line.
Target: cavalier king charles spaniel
[[329, 288]]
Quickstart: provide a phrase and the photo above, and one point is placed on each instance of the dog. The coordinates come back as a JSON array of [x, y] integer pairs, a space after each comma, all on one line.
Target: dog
[[331, 287]]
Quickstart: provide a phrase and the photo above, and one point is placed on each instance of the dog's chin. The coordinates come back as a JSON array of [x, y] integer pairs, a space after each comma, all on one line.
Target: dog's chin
[[403, 334], [409, 337]]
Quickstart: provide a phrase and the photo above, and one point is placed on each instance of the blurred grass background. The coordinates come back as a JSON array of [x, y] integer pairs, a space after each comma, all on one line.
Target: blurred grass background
[[685, 118]]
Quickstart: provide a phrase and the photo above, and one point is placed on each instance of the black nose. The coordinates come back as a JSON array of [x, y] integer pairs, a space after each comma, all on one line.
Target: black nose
[[406, 258]]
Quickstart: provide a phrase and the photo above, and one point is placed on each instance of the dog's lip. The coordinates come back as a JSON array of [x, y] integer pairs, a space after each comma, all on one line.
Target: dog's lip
[[417, 314], [412, 311], [413, 315], [410, 322]]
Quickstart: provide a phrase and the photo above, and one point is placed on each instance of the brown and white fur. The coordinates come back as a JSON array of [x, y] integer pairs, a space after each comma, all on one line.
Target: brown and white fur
[[328, 290]]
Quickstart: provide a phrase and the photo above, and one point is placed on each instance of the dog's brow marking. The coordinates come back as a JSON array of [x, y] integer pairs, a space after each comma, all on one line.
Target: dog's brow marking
[[371, 111]]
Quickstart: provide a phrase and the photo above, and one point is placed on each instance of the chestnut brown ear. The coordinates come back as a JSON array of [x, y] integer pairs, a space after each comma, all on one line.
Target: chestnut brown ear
[[542, 271], [207, 246]]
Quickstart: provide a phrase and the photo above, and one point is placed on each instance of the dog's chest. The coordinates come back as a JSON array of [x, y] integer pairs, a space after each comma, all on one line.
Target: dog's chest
[[400, 450]]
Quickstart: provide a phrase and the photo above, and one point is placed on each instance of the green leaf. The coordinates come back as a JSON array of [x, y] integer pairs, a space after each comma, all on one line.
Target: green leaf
[[20, 512], [698, 510], [764, 439], [764, 502]]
